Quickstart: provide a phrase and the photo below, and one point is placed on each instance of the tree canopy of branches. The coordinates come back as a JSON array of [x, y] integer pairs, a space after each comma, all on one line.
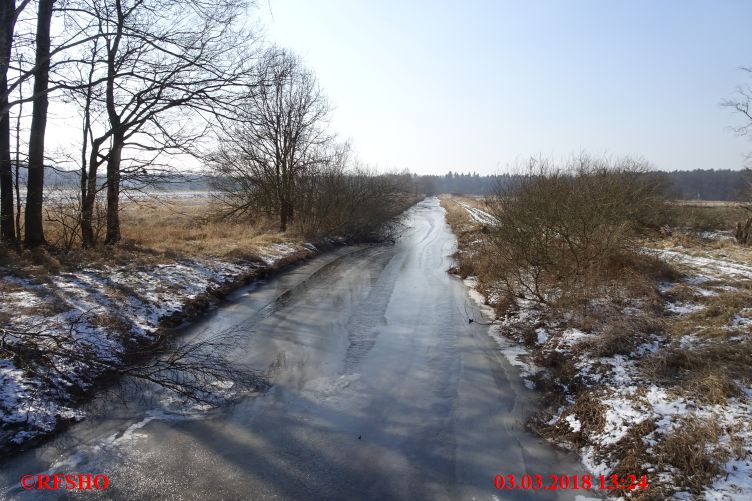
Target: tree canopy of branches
[[157, 72], [148, 78], [277, 159], [278, 138], [9, 13], [34, 230], [155, 82], [741, 103]]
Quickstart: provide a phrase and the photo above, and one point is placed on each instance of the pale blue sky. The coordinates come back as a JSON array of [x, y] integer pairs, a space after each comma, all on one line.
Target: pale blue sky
[[478, 85]]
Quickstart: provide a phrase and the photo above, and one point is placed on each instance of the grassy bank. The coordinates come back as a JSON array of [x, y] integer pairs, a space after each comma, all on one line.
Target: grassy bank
[[648, 375]]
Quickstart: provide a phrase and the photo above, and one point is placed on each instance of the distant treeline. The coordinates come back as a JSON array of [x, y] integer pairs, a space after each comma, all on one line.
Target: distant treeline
[[700, 184], [709, 184]]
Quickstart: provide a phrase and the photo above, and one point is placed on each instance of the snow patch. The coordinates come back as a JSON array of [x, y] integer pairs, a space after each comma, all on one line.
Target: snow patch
[[478, 215], [573, 423]]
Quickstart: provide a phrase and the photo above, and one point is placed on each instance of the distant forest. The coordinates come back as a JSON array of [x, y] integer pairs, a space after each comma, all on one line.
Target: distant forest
[[701, 184]]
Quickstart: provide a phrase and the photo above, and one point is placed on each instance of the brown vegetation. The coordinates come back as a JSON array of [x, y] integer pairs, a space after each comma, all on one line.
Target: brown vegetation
[[153, 232], [707, 216], [618, 295], [692, 448], [162, 229], [190, 228], [563, 230]]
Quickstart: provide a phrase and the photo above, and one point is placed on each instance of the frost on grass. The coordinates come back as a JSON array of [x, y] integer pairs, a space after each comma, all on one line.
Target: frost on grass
[[79, 320]]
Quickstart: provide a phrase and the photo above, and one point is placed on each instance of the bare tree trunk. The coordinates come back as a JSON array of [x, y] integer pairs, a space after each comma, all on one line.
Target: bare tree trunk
[[290, 198], [88, 170], [89, 198], [7, 226], [113, 162], [283, 213], [744, 231], [84, 149], [7, 22], [285, 201], [19, 117], [113, 192], [33, 229], [87, 216]]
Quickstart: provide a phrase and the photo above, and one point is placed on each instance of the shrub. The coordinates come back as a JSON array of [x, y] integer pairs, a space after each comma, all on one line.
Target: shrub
[[355, 203], [562, 228]]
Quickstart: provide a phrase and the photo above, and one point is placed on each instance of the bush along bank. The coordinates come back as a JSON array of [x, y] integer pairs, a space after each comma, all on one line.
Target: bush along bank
[[644, 363]]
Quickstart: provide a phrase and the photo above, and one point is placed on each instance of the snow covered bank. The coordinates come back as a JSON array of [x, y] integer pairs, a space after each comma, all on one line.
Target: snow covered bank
[[613, 399], [647, 378], [100, 314], [478, 215]]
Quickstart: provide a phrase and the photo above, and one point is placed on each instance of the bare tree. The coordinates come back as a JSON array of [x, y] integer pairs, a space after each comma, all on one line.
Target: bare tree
[[17, 177], [741, 103], [275, 142], [33, 226], [37, 42], [8, 16], [157, 73]]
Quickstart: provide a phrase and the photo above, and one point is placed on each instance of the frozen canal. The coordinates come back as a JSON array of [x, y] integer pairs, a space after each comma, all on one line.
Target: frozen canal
[[381, 389]]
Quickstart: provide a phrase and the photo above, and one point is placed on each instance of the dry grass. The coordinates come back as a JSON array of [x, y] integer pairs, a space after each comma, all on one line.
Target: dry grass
[[691, 244], [620, 335], [463, 226], [706, 368], [691, 451], [479, 202], [590, 413], [706, 374], [714, 319], [468, 234], [189, 228], [682, 292], [713, 386], [707, 216], [474, 256], [691, 448], [155, 232], [632, 454]]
